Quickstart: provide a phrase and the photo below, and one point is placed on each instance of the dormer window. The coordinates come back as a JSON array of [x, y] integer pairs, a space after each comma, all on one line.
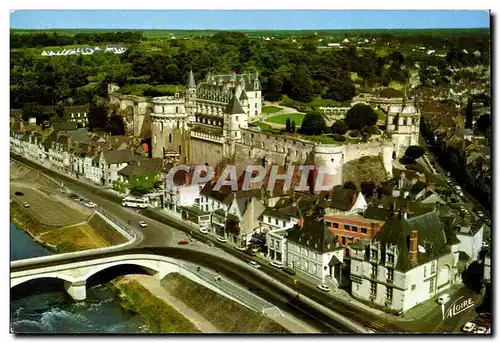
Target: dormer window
[[374, 254], [390, 258]]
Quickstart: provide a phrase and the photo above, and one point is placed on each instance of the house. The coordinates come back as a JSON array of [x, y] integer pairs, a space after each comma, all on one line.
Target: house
[[152, 166], [351, 228], [408, 262], [276, 242], [342, 201], [241, 218], [470, 235], [112, 161], [313, 250], [279, 218], [77, 114], [116, 49]]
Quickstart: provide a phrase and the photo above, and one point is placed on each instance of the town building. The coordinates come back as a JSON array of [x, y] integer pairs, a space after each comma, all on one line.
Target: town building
[[408, 262]]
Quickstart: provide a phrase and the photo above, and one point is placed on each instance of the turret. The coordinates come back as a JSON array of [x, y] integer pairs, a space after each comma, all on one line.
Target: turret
[[191, 98]]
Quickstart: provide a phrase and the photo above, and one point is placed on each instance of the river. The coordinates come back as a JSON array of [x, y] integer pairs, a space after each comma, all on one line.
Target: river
[[48, 309]]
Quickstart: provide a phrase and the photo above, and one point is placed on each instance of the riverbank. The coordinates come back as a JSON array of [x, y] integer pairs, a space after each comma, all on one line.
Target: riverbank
[[58, 239], [158, 315]]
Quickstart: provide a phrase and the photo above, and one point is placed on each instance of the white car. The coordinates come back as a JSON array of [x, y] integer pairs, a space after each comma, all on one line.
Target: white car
[[90, 204], [203, 231], [468, 327], [26, 204], [277, 264], [443, 299], [142, 223], [480, 330], [221, 239], [254, 264], [324, 288]]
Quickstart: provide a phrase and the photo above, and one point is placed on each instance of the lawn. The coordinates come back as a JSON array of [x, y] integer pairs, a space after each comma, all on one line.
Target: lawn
[[324, 139], [381, 115], [266, 127], [282, 119], [270, 109], [315, 103]]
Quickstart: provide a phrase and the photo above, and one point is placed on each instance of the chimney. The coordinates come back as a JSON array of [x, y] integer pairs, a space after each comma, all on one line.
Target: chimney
[[186, 179], [413, 246]]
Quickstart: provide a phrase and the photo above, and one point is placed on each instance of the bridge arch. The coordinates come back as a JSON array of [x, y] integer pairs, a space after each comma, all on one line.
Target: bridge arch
[[55, 275], [152, 267]]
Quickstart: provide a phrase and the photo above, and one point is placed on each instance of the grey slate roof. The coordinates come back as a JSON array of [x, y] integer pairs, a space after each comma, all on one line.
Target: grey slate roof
[[234, 106], [377, 213], [191, 83], [431, 236], [150, 165], [120, 156], [315, 235]]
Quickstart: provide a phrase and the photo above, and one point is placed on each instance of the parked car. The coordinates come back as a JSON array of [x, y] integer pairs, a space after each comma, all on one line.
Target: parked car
[[204, 231], [90, 204], [221, 239], [142, 223], [468, 327], [443, 299], [277, 264], [26, 204], [288, 270], [324, 288], [480, 330], [448, 174], [183, 242], [250, 252], [254, 264]]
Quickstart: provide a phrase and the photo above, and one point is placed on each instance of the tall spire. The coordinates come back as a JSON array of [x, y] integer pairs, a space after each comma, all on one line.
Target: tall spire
[[191, 83]]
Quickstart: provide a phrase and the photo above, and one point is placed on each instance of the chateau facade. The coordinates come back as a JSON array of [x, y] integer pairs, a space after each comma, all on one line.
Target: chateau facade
[[209, 123]]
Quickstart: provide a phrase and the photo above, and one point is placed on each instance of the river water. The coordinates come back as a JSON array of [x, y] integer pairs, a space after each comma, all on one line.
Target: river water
[[43, 306]]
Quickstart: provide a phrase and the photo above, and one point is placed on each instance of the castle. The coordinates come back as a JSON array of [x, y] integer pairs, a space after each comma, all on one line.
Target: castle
[[209, 123]]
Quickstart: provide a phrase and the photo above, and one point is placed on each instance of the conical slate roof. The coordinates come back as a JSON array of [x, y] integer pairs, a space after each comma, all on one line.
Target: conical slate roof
[[191, 83], [234, 106], [243, 95]]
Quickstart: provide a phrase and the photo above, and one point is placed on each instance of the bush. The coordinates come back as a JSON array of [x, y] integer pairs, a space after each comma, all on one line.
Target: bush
[[339, 127], [360, 115], [372, 130], [354, 133], [313, 124], [339, 138]]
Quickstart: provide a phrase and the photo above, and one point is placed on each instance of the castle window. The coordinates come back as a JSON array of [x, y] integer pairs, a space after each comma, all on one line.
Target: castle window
[[388, 294], [156, 138], [178, 124], [176, 109], [170, 138], [236, 118], [363, 230], [180, 149], [373, 288]]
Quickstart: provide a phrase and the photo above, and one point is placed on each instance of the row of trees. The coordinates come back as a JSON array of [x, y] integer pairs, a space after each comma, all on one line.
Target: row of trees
[[359, 119], [34, 40]]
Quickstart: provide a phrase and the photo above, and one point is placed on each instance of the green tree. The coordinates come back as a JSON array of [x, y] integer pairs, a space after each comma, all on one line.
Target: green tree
[[340, 90], [301, 85], [414, 151], [293, 129], [143, 184], [313, 124], [350, 185], [288, 125], [359, 116], [483, 123], [98, 117], [339, 127]]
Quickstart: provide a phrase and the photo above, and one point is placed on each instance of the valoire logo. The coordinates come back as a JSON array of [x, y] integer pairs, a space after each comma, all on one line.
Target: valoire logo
[[457, 307]]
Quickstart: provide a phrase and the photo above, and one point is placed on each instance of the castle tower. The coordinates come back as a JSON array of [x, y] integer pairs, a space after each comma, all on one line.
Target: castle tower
[[234, 117], [191, 98], [403, 123], [168, 127]]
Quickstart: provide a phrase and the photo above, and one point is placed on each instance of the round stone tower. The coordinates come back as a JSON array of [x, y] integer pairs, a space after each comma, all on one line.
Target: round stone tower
[[332, 158]]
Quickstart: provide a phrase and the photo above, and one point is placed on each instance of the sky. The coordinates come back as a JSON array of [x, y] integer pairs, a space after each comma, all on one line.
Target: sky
[[247, 19]]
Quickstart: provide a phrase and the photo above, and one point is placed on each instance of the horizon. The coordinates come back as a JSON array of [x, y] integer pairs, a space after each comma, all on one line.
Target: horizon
[[249, 20]]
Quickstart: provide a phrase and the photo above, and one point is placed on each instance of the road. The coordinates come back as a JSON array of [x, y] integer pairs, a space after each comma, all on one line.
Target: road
[[160, 233]]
